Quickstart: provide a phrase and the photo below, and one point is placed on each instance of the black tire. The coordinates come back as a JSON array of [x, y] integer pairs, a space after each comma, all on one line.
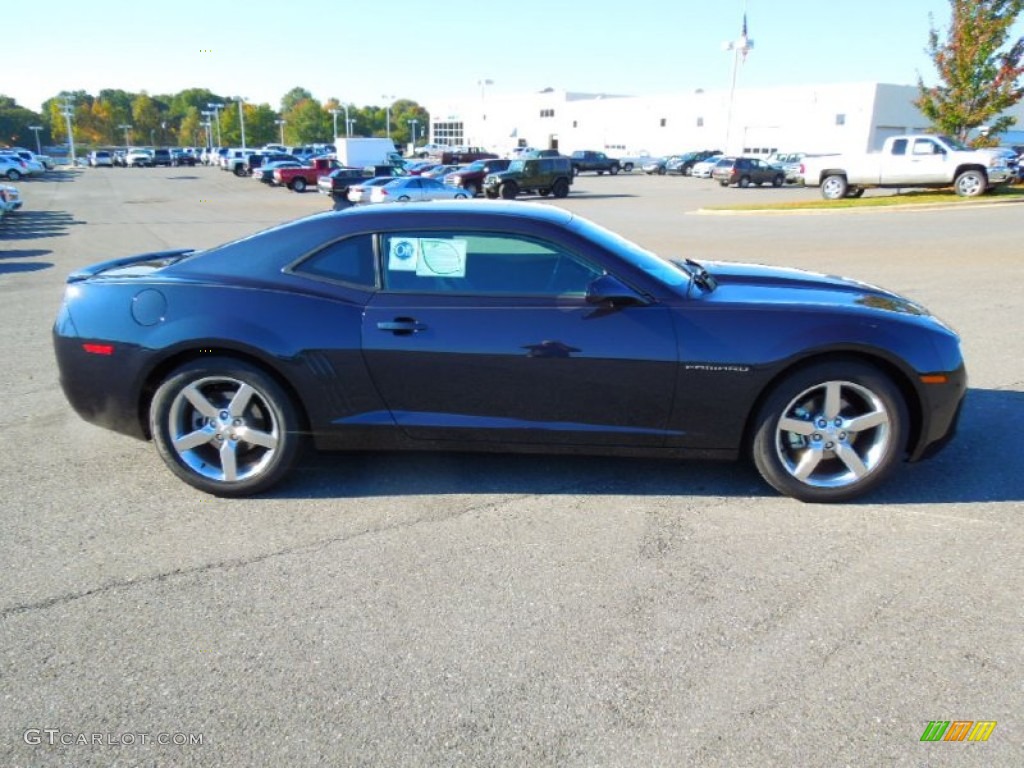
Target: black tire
[[971, 184], [615, 169], [628, 168], [298, 184], [240, 170], [833, 187], [462, 196], [544, 192], [404, 199], [13, 175], [661, 171], [778, 180], [560, 188], [216, 444], [723, 183], [744, 181], [820, 454], [509, 190]]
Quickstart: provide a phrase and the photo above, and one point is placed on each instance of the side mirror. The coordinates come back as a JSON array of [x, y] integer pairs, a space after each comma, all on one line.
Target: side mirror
[[608, 289]]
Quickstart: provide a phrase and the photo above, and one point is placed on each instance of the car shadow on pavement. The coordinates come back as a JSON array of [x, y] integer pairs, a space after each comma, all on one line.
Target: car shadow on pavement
[[33, 225], [970, 469], [25, 253], [10, 268]]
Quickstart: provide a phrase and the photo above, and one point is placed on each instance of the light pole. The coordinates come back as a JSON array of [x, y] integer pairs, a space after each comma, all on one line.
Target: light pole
[[209, 134], [216, 110], [334, 115], [387, 116], [414, 122], [241, 119], [125, 127], [36, 129], [68, 113], [282, 124], [349, 122], [740, 48]]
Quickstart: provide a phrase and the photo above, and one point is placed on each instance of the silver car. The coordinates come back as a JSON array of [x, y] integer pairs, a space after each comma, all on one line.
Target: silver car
[[360, 193], [409, 188]]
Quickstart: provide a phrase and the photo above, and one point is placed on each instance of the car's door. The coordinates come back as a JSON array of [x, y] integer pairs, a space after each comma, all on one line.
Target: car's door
[[489, 337]]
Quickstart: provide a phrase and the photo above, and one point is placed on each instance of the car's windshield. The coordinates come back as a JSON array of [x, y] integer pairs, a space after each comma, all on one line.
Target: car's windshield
[[517, 165], [957, 145], [661, 270]]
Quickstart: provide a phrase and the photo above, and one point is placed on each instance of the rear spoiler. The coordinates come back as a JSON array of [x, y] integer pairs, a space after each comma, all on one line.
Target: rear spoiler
[[155, 259]]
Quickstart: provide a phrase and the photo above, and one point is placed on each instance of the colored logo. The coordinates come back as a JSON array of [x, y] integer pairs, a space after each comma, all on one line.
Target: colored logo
[[958, 730]]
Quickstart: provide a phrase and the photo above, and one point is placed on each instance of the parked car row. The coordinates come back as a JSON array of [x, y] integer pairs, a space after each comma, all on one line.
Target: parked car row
[[17, 163]]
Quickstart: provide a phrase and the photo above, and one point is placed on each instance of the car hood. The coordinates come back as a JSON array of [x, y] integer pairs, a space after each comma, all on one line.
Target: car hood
[[766, 286]]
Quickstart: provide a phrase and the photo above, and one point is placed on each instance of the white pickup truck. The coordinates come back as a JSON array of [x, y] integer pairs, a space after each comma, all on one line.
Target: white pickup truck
[[919, 160]]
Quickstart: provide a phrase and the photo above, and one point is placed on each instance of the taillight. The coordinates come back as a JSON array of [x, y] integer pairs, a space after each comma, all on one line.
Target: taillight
[[99, 349]]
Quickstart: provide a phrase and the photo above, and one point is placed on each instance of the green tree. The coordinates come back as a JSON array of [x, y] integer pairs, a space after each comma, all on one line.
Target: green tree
[[291, 99], [145, 119], [260, 125], [14, 124], [979, 78], [308, 122]]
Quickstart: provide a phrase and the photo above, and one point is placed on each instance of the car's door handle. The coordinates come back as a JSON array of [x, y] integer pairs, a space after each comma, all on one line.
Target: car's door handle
[[401, 325]]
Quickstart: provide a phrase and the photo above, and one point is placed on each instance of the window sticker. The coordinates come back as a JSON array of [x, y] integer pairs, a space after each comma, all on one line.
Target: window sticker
[[403, 254], [441, 258]]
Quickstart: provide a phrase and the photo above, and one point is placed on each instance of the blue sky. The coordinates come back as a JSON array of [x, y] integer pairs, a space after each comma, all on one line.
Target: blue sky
[[364, 52]]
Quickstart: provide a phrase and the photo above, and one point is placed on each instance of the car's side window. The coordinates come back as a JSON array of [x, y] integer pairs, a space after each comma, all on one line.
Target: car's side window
[[348, 261], [485, 264]]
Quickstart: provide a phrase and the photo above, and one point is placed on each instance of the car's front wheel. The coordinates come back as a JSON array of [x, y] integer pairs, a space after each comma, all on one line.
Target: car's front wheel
[[225, 427], [509, 190], [299, 185], [13, 175], [971, 183], [561, 188], [830, 432]]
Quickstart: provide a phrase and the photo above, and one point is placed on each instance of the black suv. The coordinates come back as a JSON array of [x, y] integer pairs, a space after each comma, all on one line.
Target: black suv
[[543, 175], [162, 157]]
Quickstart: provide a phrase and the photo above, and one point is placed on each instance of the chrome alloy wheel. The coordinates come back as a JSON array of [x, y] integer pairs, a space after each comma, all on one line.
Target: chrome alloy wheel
[[834, 434], [223, 429]]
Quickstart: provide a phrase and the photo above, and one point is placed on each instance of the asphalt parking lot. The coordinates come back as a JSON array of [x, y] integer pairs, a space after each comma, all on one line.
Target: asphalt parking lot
[[457, 610]]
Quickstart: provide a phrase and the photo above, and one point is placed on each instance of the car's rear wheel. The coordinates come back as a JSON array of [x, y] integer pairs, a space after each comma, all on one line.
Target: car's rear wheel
[[240, 170], [509, 190], [615, 169], [661, 171], [225, 427], [723, 183], [560, 188], [744, 181], [13, 175], [830, 432], [299, 185], [461, 196], [834, 187], [778, 180]]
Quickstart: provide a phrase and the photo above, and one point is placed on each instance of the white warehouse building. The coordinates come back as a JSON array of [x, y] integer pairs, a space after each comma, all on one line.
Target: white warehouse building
[[846, 117]]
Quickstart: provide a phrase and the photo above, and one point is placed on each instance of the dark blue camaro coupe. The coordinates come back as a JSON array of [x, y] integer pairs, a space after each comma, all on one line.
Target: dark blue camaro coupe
[[500, 326]]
